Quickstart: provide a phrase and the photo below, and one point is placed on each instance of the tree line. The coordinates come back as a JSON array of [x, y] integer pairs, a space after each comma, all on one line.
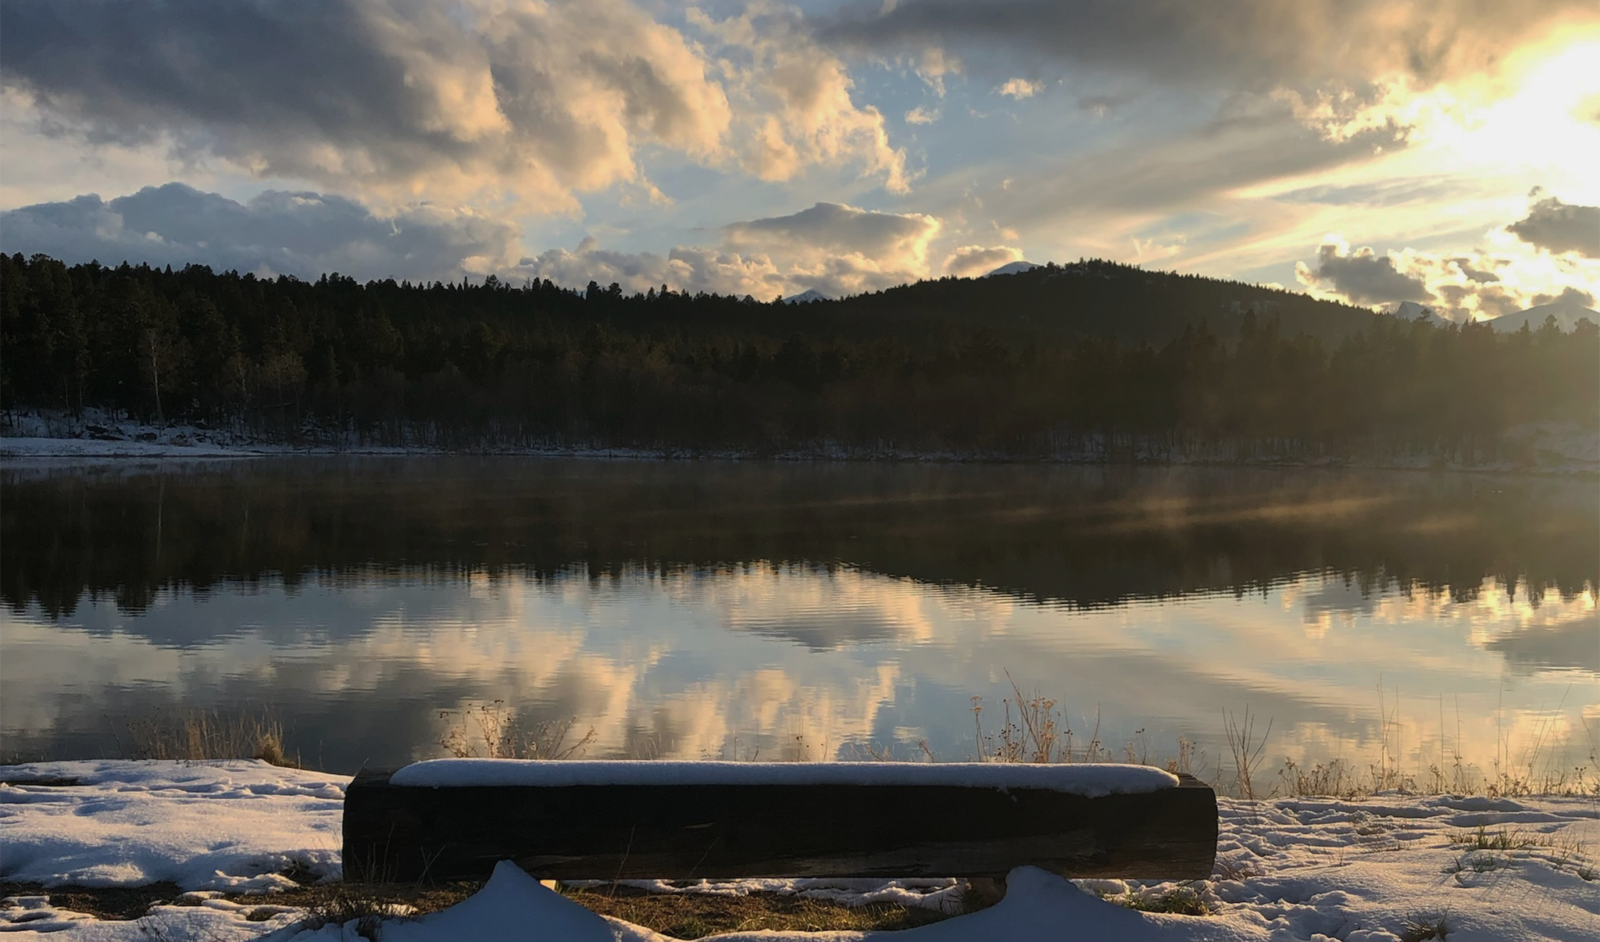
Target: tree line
[[1090, 358], [1087, 536]]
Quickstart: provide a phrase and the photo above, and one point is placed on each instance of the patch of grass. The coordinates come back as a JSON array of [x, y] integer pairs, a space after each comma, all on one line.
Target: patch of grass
[[118, 903], [1334, 777], [696, 915], [1423, 929], [1503, 839], [408, 898], [204, 735], [262, 913], [1477, 863], [1183, 901], [1563, 850]]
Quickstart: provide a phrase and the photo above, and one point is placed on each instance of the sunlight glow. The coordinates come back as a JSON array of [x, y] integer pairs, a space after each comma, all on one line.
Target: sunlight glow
[[1539, 127]]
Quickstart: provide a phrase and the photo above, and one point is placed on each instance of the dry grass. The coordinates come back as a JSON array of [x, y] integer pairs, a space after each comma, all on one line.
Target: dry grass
[[1424, 929], [205, 735], [119, 903], [1034, 729], [681, 915], [1532, 773], [341, 906], [695, 915]]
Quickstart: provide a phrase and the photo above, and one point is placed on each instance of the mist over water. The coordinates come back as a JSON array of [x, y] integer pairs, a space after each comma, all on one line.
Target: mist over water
[[741, 610]]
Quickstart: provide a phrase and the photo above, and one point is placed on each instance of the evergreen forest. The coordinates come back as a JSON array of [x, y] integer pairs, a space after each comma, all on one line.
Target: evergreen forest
[[1086, 359]]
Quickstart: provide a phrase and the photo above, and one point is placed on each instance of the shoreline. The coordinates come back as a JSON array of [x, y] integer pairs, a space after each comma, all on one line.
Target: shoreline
[[1542, 449], [66, 449]]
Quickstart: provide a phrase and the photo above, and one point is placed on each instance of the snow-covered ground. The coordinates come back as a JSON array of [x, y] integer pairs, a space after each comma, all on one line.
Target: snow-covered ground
[[99, 434], [204, 826], [1542, 448], [91, 448], [1374, 870]]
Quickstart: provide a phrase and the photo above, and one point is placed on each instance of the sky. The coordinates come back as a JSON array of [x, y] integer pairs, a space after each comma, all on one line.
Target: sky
[[1439, 151]]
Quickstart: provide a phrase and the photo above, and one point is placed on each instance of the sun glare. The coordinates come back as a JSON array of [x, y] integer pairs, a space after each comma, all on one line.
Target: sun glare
[[1538, 127]]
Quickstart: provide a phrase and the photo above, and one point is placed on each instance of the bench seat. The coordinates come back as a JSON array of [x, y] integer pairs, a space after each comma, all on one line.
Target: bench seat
[[452, 819]]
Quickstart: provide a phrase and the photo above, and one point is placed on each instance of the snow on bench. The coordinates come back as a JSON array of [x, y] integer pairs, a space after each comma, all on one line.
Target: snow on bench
[[1089, 780], [452, 819]]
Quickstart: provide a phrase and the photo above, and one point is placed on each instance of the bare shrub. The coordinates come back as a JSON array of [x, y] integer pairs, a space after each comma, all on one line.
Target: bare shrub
[[1246, 750], [1332, 778], [344, 906], [493, 731]]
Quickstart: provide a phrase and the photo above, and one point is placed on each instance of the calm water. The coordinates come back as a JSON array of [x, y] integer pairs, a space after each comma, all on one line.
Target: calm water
[[801, 610]]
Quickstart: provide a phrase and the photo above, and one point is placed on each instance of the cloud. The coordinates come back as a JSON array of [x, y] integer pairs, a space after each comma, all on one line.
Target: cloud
[[1568, 296], [1140, 177], [1020, 88], [1559, 227], [1476, 285], [1362, 276], [1252, 44], [301, 234], [970, 261], [795, 106], [685, 268], [1474, 274], [391, 100], [921, 115], [836, 227], [494, 102], [839, 250]]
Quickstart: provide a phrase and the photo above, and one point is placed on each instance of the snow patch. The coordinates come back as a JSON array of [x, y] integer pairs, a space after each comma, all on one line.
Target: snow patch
[[233, 825]]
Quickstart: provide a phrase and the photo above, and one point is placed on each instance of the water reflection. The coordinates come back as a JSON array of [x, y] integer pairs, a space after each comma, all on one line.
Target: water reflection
[[694, 611], [1574, 645]]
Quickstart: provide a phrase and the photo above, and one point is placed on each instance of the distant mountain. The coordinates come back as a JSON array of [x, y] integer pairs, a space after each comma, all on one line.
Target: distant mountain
[[1013, 268], [1411, 310], [806, 297], [1567, 311]]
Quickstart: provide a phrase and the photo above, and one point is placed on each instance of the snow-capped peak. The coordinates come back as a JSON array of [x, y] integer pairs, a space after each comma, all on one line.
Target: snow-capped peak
[[1567, 310], [806, 297], [1013, 268]]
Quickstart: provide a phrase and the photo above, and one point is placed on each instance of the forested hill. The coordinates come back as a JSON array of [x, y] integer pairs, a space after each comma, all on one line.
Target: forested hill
[[1102, 299], [1062, 360]]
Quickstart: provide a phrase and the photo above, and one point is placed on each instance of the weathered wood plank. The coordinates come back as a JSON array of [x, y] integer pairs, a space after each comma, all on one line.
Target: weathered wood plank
[[672, 831]]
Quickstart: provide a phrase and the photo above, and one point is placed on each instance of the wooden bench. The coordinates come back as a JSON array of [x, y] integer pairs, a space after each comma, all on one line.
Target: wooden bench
[[456, 818]]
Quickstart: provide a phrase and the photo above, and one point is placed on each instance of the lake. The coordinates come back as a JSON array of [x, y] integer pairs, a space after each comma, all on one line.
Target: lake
[[804, 610]]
